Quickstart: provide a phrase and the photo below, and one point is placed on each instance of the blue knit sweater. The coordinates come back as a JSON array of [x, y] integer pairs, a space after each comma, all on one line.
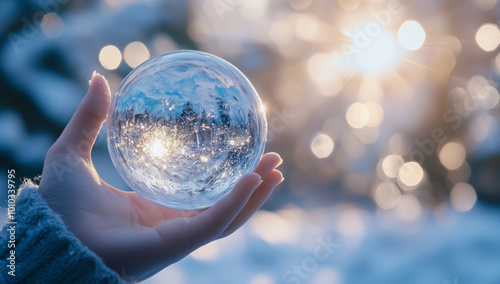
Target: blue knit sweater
[[45, 251]]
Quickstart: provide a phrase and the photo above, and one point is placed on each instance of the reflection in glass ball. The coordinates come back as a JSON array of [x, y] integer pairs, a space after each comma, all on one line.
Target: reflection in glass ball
[[184, 127]]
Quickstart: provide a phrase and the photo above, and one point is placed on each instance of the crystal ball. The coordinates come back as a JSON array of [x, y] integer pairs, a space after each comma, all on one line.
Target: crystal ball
[[184, 127]]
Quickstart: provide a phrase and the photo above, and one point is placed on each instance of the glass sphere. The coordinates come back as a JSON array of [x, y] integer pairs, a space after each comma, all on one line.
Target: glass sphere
[[184, 127]]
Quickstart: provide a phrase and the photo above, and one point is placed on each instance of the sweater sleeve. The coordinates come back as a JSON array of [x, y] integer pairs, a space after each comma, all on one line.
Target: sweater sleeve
[[45, 251]]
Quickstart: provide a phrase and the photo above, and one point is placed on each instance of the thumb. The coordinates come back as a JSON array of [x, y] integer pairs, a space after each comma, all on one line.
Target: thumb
[[83, 128]]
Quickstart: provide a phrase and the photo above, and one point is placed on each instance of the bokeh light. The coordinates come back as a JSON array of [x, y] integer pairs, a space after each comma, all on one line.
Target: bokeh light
[[209, 252], [488, 96], [163, 43], [488, 37], [110, 57], [300, 4], [358, 115], [386, 195], [274, 228], [485, 5], [281, 32], [350, 221], [399, 144], [497, 63], [480, 127], [52, 25], [391, 165], [349, 5], [463, 197], [452, 43], [322, 145], [326, 275], [307, 27], [411, 35], [408, 208], [410, 174], [175, 274], [445, 61], [135, 53], [376, 114], [262, 279], [483, 91], [452, 155]]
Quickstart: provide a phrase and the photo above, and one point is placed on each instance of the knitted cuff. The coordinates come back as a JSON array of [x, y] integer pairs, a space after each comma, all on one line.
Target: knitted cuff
[[45, 251]]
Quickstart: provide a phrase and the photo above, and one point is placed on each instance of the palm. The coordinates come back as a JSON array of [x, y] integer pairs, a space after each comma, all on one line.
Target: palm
[[134, 236]]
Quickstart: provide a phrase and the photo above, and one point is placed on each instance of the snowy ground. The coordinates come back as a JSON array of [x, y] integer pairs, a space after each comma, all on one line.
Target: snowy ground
[[346, 245]]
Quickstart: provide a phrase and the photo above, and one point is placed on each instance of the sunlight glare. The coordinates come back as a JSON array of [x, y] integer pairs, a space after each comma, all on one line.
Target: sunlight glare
[[157, 148], [373, 49]]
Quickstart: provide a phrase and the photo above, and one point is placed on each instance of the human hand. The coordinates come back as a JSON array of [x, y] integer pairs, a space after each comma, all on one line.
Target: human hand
[[134, 236]]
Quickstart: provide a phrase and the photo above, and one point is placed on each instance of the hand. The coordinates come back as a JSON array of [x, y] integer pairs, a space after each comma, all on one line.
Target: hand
[[134, 236]]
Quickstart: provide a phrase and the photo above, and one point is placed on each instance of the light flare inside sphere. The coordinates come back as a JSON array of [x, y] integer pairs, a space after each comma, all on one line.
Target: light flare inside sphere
[[184, 127]]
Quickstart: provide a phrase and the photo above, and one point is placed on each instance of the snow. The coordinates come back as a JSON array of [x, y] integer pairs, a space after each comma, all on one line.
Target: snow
[[452, 247]]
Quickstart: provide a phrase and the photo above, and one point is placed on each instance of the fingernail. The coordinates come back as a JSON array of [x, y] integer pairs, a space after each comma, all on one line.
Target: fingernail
[[281, 179], [280, 162], [93, 75], [257, 185], [261, 180]]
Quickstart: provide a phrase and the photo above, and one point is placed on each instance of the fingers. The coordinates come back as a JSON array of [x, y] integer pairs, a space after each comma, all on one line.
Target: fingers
[[214, 221], [258, 198], [266, 167], [191, 233], [268, 162], [181, 236], [84, 126]]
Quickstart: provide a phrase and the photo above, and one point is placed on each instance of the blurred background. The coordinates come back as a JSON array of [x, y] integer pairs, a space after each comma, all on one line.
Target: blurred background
[[385, 113]]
